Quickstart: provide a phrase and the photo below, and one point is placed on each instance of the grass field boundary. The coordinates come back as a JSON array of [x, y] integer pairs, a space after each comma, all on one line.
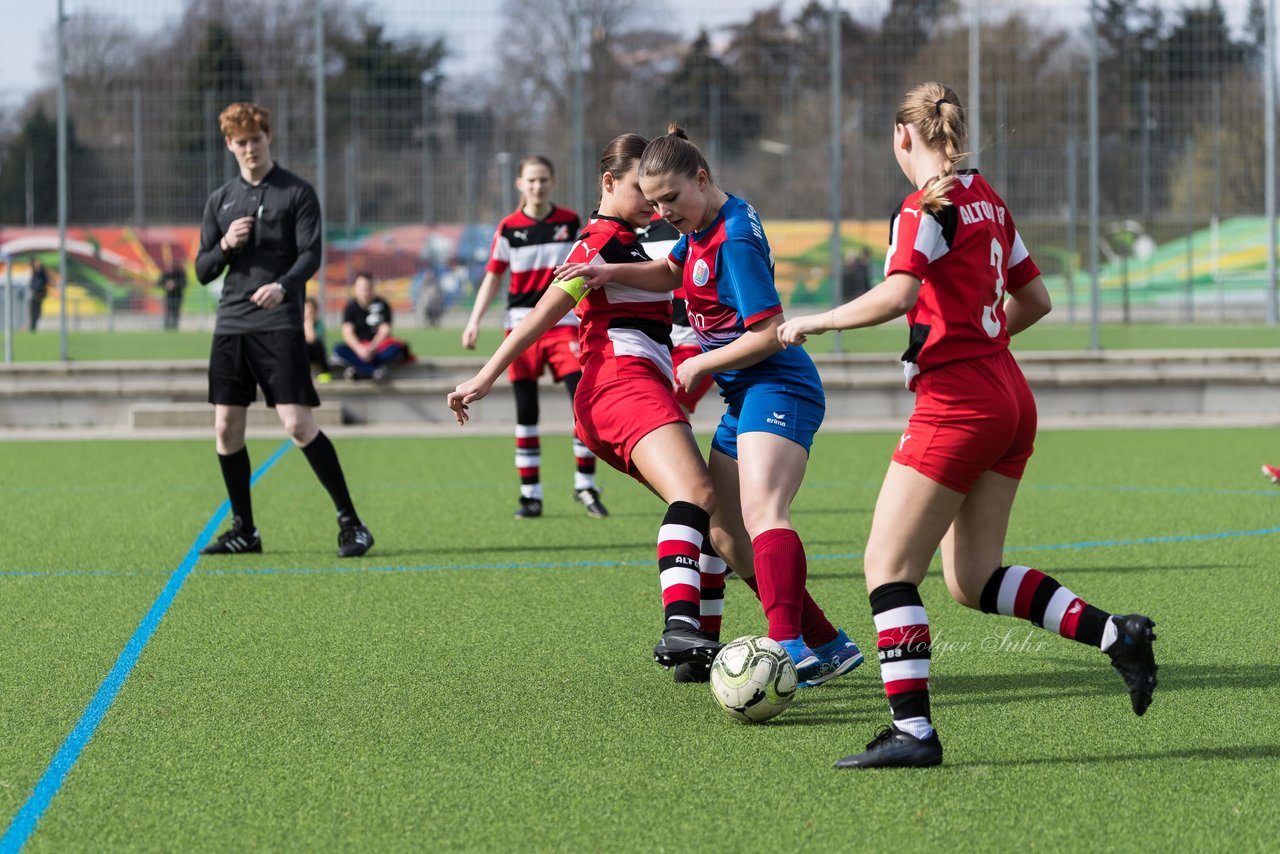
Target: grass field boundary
[[25, 821]]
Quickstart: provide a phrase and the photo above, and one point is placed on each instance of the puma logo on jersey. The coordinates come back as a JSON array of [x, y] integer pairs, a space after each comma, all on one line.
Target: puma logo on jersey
[[587, 252], [521, 234], [903, 440], [911, 211], [779, 418], [562, 234]]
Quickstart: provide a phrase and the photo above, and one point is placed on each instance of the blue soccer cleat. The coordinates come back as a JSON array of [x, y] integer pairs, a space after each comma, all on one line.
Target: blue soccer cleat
[[807, 664], [836, 657]]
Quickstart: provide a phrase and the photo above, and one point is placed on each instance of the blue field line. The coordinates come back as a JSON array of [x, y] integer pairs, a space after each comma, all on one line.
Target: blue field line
[[24, 823], [610, 564], [1261, 492]]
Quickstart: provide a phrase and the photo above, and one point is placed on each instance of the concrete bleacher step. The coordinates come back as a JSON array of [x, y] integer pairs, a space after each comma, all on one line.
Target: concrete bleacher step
[[860, 386], [160, 416]]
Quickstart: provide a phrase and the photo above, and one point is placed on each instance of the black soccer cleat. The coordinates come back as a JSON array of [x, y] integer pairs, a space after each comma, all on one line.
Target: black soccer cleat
[[354, 540], [682, 644], [692, 671], [893, 748], [530, 508], [235, 541], [590, 499], [1132, 657]]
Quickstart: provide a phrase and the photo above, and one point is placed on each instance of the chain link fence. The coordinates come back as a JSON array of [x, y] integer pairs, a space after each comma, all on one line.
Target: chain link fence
[[411, 116]]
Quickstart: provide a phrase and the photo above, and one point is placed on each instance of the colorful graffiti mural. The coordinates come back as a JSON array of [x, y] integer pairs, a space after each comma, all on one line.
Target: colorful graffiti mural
[[118, 268]]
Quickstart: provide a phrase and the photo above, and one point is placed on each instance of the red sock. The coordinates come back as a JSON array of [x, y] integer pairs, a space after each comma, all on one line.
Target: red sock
[[814, 625], [780, 572]]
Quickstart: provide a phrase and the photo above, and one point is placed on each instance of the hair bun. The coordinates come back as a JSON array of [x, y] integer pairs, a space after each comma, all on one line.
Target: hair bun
[[675, 129]]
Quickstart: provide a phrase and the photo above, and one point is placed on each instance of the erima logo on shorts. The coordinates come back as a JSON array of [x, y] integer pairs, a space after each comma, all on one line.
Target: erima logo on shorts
[[701, 273], [778, 418]]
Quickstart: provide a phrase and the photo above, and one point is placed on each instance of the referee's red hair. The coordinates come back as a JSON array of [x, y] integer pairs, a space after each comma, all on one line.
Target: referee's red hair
[[244, 119]]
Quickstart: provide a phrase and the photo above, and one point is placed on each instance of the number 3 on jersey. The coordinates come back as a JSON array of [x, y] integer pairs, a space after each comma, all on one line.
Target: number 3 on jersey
[[990, 321]]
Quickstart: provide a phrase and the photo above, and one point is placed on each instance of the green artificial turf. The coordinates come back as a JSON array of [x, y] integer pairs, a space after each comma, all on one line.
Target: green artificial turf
[[478, 683], [438, 342]]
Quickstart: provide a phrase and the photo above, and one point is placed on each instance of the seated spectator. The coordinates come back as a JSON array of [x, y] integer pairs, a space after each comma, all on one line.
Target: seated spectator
[[313, 331], [368, 350]]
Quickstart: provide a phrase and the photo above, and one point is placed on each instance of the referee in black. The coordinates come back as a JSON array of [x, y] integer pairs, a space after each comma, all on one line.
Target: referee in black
[[263, 228]]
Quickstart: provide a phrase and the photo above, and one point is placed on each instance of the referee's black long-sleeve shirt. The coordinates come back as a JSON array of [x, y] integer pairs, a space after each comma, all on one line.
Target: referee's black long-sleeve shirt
[[284, 246]]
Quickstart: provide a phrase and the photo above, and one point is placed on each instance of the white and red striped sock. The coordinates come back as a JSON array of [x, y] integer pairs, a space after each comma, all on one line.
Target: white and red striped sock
[[584, 476], [905, 649], [529, 460], [684, 528], [711, 569], [1029, 594]]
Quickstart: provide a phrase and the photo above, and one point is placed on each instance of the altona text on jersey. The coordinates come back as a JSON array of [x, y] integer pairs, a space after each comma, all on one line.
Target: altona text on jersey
[[980, 210]]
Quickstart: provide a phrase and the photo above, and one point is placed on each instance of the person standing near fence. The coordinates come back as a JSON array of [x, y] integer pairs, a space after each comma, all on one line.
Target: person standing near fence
[[37, 290], [173, 281], [856, 276], [530, 243], [263, 229], [954, 255], [313, 334]]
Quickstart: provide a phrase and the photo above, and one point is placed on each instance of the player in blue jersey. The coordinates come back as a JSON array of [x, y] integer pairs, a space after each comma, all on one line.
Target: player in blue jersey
[[774, 398]]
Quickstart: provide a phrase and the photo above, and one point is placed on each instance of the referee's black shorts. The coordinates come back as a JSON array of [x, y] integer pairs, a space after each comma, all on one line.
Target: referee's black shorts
[[275, 360]]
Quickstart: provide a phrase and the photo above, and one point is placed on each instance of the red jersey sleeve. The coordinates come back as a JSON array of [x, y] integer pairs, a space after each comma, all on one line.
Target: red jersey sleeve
[[499, 252], [917, 238], [1022, 268]]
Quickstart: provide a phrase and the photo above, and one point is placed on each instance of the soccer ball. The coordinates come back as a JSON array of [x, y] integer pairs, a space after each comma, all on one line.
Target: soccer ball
[[753, 679]]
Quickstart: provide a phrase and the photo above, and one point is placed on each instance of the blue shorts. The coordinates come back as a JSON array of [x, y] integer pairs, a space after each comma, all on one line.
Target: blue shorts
[[770, 409]]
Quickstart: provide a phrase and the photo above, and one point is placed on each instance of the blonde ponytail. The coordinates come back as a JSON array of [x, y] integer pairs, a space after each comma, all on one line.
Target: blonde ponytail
[[934, 109]]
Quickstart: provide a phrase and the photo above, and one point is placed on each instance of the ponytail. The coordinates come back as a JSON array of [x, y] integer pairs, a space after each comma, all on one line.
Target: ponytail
[[935, 111]]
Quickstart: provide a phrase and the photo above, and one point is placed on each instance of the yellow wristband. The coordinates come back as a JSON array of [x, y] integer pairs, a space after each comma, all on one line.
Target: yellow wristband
[[576, 288]]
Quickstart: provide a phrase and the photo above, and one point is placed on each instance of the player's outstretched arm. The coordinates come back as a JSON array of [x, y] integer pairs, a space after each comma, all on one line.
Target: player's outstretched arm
[[1026, 305], [894, 297], [553, 305], [645, 275]]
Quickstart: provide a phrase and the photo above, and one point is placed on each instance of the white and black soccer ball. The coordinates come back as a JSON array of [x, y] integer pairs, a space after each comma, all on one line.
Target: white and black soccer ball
[[753, 679]]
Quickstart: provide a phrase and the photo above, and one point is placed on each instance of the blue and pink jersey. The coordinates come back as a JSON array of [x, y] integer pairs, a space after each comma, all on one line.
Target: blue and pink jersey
[[728, 287]]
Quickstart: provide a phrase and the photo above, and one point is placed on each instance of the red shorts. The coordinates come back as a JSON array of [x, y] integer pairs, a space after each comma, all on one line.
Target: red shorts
[[613, 415], [556, 349], [971, 417], [689, 399]]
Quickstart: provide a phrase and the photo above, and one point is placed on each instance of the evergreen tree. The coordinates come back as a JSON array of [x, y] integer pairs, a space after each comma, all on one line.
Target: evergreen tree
[[37, 141]]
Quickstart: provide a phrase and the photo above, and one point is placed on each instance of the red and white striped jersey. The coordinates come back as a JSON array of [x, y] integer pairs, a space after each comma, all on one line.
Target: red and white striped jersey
[[658, 239], [968, 256], [531, 249], [622, 328]]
